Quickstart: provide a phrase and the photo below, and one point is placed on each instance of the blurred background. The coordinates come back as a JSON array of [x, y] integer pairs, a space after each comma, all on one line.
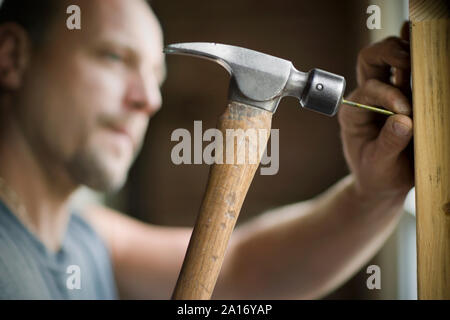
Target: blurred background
[[322, 34]]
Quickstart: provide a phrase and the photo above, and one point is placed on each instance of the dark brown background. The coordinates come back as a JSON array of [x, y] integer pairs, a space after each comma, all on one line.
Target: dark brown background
[[312, 34]]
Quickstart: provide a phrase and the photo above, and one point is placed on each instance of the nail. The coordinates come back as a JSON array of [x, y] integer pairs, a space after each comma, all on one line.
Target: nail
[[400, 129]]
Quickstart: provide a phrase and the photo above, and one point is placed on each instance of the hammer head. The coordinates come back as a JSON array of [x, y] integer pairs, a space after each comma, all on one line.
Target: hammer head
[[261, 80]]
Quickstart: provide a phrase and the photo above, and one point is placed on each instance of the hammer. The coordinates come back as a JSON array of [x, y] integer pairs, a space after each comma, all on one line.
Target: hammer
[[258, 82]]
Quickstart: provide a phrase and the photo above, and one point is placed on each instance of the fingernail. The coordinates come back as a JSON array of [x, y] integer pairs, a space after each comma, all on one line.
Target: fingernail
[[400, 129], [402, 107]]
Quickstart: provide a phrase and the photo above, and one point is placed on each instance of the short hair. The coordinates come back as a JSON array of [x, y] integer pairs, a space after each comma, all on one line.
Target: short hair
[[35, 16]]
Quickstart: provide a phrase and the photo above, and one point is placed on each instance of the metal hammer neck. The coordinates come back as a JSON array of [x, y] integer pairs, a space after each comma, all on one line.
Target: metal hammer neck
[[296, 84], [234, 94]]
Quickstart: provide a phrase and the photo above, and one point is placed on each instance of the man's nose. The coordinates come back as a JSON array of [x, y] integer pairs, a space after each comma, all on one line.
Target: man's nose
[[143, 94]]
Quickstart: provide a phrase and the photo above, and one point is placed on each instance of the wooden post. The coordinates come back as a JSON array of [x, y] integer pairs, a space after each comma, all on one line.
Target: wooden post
[[430, 48]]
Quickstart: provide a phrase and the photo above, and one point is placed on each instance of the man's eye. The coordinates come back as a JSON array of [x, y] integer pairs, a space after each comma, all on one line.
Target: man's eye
[[113, 56]]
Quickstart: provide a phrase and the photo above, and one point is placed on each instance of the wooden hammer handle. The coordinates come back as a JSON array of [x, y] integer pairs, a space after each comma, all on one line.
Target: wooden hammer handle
[[227, 187]]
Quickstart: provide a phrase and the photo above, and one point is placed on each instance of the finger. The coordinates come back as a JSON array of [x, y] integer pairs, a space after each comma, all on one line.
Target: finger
[[377, 60], [384, 95], [360, 122], [393, 138], [402, 80], [404, 32], [402, 77], [356, 121]]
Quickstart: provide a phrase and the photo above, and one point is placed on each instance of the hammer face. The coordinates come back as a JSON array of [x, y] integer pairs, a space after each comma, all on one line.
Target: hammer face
[[323, 92]]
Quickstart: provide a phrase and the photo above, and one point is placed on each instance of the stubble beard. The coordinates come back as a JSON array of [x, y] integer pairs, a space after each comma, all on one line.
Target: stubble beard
[[91, 169]]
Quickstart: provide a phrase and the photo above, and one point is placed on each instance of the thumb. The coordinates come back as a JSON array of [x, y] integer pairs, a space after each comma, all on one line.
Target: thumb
[[394, 137]]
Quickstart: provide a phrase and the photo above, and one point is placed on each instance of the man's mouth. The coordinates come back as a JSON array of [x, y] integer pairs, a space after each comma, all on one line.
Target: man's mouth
[[120, 130]]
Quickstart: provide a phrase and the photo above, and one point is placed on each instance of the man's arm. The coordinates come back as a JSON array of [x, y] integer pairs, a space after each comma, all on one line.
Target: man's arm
[[302, 250], [298, 251], [305, 250]]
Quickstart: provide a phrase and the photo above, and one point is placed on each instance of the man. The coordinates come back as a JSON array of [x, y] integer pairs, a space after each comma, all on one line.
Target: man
[[74, 110]]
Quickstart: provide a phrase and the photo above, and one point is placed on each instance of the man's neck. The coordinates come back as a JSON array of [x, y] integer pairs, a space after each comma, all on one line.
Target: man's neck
[[42, 189]]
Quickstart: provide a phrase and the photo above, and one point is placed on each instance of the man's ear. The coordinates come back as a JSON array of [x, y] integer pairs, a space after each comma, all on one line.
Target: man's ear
[[14, 55]]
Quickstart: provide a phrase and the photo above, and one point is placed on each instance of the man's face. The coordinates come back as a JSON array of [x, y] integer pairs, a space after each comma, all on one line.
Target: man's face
[[88, 94]]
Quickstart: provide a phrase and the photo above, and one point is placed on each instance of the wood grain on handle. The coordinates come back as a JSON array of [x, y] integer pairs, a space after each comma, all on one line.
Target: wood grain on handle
[[430, 48], [225, 192]]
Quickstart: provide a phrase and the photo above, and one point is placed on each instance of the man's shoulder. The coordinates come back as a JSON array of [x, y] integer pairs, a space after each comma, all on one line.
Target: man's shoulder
[[29, 271], [91, 253], [81, 234], [10, 234], [18, 269], [18, 274], [80, 225]]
